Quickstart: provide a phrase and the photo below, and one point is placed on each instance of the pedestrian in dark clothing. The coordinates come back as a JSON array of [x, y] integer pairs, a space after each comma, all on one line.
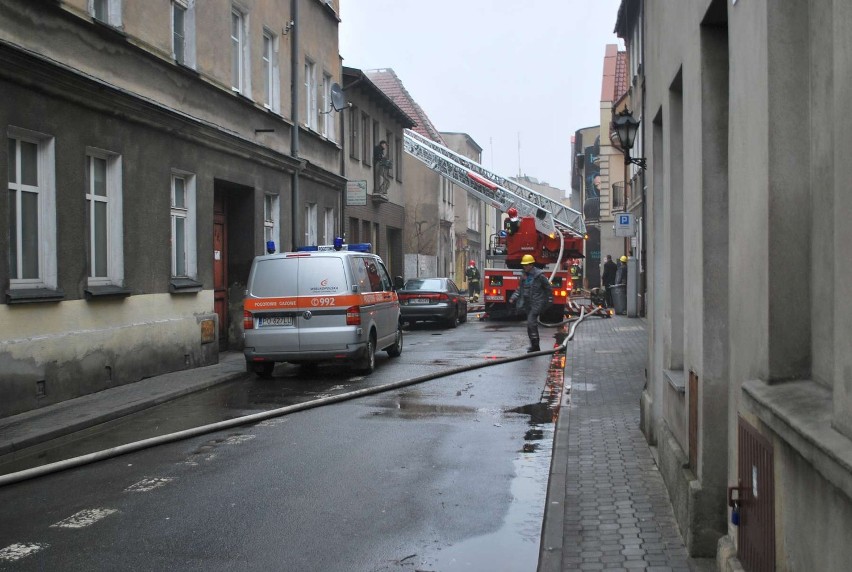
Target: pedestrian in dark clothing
[[534, 295], [609, 269]]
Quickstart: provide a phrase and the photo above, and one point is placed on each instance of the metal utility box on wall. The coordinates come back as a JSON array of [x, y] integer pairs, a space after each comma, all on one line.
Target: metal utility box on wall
[[756, 531]]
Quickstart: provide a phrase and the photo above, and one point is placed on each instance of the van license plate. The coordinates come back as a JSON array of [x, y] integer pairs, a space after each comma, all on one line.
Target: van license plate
[[274, 321]]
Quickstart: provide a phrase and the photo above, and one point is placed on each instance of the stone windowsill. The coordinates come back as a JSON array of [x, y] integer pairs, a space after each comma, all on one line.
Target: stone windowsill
[[34, 295], [800, 413], [676, 378], [184, 286], [106, 291]]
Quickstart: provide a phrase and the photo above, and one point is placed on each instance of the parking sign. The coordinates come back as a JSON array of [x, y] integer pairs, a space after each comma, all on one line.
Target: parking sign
[[624, 224]]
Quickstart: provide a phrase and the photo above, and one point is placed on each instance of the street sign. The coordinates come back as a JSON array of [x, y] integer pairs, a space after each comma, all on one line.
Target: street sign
[[624, 224]]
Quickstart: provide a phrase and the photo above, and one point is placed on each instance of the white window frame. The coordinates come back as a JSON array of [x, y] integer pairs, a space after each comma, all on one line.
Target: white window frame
[[272, 80], [115, 223], [473, 214], [310, 94], [311, 224], [188, 7], [240, 50], [113, 8], [46, 190], [271, 220], [325, 117], [328, 225], [188, 213]]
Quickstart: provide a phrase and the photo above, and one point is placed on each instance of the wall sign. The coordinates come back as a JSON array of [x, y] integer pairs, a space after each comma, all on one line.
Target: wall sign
[[356, 193]]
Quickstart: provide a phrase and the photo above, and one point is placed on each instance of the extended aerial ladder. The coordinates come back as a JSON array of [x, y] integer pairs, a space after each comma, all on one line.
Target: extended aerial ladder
[[554, 223], [493, 189]]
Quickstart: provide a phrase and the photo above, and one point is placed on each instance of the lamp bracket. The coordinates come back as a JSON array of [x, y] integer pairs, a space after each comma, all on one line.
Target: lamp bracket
[[641, 162]]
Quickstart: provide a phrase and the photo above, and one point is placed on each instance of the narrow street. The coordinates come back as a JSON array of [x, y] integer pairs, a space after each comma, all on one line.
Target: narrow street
[[442, 475]]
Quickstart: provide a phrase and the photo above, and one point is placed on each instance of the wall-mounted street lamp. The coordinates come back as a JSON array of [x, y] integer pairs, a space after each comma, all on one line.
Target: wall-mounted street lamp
[[626, 127]]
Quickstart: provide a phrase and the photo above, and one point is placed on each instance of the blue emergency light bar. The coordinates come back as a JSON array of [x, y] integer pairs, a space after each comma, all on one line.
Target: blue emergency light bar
[[355, 247]]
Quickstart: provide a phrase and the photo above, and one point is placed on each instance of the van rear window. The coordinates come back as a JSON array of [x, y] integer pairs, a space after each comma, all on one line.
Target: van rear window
[[298, 276], [320, 276], [275, 278]]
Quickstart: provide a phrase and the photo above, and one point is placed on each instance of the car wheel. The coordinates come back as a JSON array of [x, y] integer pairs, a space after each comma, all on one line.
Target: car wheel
[[396, 349], [454, 319], [264, 369], [368, 363]]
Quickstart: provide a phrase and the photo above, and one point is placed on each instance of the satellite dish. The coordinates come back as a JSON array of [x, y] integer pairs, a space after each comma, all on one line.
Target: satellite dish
[[338, 101]]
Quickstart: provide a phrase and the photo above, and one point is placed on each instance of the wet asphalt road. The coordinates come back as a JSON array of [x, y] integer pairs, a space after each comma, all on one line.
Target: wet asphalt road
[[445, 475]]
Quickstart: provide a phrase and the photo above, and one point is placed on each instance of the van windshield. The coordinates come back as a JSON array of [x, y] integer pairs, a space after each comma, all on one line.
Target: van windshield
[[315, 276]]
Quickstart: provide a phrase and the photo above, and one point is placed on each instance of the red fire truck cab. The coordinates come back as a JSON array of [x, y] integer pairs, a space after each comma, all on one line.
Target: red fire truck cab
[[503, 274]]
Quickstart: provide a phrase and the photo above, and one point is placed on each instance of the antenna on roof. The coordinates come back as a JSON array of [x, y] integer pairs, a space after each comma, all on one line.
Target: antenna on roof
[[519, 154]]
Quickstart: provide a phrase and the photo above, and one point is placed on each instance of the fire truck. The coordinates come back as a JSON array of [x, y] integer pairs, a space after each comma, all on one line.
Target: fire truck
[[555, 254], [550, 231]]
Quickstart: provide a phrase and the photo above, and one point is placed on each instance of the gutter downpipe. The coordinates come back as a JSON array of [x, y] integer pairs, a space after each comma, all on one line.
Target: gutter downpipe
[[295, 199], [642, 310]]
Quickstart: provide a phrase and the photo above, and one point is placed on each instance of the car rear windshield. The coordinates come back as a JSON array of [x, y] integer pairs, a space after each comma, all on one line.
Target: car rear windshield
[[430, 284], [280, 277]]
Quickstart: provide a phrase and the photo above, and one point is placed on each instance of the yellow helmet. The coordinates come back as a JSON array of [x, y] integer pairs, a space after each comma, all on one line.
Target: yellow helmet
[[623, 259], [527, 259]]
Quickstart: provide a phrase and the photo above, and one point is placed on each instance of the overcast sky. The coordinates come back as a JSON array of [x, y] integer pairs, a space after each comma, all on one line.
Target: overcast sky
[[502, 71]]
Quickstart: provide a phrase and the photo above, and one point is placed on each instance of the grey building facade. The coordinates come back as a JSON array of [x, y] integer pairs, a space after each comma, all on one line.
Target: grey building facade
[[374, 213], [749, 400], [152, 150]]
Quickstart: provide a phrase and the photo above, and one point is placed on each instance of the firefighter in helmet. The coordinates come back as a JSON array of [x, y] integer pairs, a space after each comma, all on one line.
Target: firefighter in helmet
[[511, 224], [472, 275], [534, 295]]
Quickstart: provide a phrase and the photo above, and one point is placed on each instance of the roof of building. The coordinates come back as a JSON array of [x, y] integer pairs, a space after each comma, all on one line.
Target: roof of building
[[615, 82], [353, 77], [387, 80], [467, 137]]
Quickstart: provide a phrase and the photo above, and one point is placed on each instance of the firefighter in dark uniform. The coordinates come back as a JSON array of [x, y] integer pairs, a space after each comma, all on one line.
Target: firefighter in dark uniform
[[534, 295], [472, 275]]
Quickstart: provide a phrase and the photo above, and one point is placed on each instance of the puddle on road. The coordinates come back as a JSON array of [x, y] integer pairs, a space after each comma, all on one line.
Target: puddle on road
[[412, 406], [538, 412], [515, 545]]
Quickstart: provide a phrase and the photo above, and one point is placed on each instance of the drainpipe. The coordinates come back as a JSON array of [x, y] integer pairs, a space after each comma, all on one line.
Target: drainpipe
[[295, 198], [643, 265]]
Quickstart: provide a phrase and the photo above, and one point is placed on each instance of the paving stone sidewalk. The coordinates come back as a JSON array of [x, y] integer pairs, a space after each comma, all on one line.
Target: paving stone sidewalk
[[615, 510]]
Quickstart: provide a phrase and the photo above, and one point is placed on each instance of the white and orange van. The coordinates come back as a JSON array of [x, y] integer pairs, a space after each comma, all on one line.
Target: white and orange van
[[320, 304]]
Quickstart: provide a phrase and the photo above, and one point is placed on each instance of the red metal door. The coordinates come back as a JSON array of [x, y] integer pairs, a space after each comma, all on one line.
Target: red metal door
[[220, 266], [756, 533]]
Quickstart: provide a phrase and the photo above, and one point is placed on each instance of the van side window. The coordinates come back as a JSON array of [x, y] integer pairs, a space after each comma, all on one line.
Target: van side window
[[373, 275], [387, 284], [359, 271]]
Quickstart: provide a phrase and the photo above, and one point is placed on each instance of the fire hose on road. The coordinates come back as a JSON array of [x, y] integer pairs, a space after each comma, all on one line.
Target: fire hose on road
[[256, 417]]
